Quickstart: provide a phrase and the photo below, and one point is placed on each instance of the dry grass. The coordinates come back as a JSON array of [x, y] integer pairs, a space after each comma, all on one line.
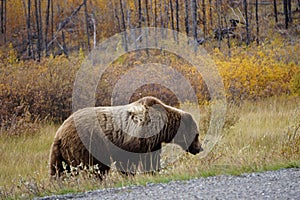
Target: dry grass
[[262, 135]]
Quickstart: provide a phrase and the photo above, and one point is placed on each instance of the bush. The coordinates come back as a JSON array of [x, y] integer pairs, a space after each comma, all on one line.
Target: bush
[[257, 73], [32, 91], [295, 83]]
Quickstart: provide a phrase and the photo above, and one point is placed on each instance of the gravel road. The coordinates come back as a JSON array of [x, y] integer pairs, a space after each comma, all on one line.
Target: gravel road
[[281, 184]]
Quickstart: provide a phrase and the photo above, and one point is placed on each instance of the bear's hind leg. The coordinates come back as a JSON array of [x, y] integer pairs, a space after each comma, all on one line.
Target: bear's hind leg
[[56, 160]]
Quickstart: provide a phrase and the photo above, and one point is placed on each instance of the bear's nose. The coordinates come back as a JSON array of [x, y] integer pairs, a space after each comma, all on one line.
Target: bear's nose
[[195, 148]]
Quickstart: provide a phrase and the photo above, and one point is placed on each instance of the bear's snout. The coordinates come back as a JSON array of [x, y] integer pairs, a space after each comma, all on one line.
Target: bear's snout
[[195, 147]]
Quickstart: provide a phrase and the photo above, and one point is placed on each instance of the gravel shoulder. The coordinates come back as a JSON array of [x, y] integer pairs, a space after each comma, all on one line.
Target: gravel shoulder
[[280, 184]]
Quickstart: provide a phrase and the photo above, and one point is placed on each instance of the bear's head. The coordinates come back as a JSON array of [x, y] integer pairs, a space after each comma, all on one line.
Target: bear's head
[[188, 135]]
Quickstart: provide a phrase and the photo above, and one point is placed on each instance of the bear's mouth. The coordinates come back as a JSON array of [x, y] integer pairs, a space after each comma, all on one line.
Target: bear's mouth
[[194, 151]]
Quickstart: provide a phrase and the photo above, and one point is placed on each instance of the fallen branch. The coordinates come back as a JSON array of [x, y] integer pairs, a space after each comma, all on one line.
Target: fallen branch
[[64, 23]]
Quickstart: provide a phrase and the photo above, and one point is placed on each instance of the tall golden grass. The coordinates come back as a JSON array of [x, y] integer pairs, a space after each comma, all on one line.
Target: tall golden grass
[[263, 135]]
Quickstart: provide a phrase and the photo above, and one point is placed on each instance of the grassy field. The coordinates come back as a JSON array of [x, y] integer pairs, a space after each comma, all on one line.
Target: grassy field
[[261, 135]]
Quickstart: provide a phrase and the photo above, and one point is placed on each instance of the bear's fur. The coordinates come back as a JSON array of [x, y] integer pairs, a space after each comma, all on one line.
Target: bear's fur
[[127, 134]]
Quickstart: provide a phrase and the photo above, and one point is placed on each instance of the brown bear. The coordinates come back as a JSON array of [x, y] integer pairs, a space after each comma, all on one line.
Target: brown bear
[[127, 135]]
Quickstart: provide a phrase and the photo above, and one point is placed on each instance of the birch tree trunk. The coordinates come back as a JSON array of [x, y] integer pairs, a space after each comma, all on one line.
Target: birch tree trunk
[[87, 24], [94, 31]]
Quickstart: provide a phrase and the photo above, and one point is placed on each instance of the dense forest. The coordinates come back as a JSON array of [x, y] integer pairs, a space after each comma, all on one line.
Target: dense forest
[[38, 28]]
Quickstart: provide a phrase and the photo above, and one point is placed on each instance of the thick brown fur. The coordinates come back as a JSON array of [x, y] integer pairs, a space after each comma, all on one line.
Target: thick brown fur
[[90, 136]]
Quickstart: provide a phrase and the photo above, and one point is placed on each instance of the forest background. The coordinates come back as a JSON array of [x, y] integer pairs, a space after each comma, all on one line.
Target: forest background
[[255, 45]]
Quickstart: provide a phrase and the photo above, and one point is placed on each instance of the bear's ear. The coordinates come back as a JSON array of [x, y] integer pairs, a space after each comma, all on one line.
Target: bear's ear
[[187, 119], [189, 122]]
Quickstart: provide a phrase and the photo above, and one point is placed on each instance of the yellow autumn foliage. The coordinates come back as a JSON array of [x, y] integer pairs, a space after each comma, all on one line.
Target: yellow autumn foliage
[[259, 72], [37, 90]]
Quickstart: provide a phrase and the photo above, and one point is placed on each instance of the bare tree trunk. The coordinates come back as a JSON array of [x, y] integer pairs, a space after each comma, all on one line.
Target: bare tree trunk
[[28, 26], [147, 13], [187, 29], [204, 18], [165, 17], [117, 25], [219, 29], [52, 27], [290, 10], [285, 8], [122, 16], [172, 21], [25, 17], [123, 26], [5, 19], [95, 30], [257, 23], [3, 15], [161, 18], [38, 30], [172, 15], [155, 21], [47, 26], [177, 15], [155, 13], [128, 15], [140, 13], [247, 22], [162, 24], [151, 17], [194, 18], [87, 24], [166, 14], [210, 14], [2, 18], [275, 11], [228, 38], [41, 25], [65, 50], [146, 31]]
